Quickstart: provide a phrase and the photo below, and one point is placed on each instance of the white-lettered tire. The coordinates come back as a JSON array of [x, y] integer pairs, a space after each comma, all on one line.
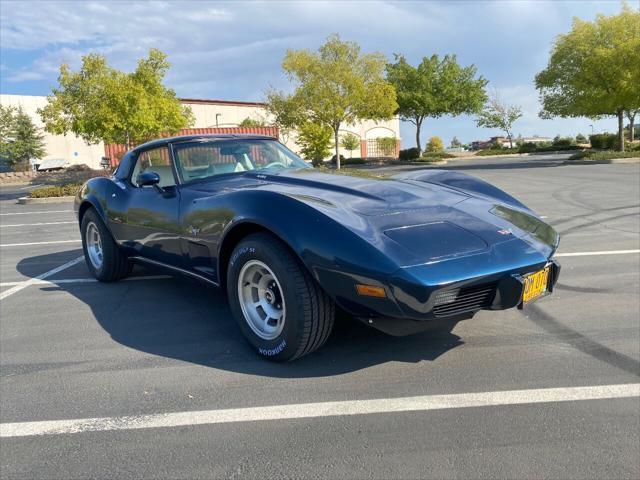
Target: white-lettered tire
[[281, 310], [104, 258]]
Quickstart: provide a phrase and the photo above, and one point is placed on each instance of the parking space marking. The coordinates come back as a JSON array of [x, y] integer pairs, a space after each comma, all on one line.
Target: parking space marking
[[39, 243], [322, 409], [37, 213], [603, 252], [42, 276], [66, 281], [35, 224]]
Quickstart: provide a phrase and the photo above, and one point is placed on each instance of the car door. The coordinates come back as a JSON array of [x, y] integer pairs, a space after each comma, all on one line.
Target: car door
[[207, 172], [149, 223]]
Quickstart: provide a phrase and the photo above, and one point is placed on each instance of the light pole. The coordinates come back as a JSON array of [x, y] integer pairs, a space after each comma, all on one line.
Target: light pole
[[591, 129]]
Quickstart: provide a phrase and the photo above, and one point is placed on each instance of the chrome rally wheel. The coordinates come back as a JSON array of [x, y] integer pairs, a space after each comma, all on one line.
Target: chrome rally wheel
[[261, 299], [104, 258], [94, 245], [282, 312]]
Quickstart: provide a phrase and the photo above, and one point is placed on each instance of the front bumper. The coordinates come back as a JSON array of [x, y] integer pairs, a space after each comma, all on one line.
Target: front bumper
[[462, 303]]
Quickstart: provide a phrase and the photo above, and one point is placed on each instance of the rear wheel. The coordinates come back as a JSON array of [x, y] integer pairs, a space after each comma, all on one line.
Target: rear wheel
[[104, 259], [281, 310]]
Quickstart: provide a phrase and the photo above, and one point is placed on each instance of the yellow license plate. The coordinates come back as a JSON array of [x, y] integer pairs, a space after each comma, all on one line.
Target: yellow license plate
[[535, 285]]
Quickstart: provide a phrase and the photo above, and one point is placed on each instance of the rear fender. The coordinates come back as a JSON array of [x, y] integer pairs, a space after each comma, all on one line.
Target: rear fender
[[94, 193]]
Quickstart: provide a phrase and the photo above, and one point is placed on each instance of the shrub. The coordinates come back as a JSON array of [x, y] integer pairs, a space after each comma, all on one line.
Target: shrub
[[342, 159], [69, 189], [438, 155], [435, 145], [605, 141], [353, 161], [602, 155], [527, 147], [559, 141], [503, 151], [409, 153]]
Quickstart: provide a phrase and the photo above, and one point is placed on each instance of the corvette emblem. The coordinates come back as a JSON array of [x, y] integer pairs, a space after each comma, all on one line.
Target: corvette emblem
[[504, 232]]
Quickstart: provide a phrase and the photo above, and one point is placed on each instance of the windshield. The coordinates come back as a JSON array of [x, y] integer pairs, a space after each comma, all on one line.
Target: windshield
[[205, 159]]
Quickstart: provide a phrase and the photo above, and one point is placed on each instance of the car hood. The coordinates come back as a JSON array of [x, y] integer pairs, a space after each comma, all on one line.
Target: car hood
[[426, 221]]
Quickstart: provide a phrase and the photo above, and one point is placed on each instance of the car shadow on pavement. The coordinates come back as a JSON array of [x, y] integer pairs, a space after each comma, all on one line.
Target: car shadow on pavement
[[183, 319]]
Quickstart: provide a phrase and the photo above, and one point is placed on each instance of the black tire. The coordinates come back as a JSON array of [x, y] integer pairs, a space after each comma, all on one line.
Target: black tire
[[115, 265], [309, 312]]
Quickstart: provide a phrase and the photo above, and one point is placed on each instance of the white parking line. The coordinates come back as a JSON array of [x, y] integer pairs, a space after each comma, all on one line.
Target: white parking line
[[25, 284], [37, 213], [39, 243], [66, 281], [321, 409], [603, 252], [35, 224]]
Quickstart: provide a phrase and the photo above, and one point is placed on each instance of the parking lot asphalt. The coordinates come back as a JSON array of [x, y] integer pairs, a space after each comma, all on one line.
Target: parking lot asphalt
[[71, 348]]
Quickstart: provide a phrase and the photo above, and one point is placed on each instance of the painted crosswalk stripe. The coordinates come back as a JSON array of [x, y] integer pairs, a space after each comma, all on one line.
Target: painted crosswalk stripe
[[322, 409]]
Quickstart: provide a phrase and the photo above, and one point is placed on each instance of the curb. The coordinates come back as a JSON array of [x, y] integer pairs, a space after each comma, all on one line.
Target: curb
[[585, 161], [409, 163], [31, 201]]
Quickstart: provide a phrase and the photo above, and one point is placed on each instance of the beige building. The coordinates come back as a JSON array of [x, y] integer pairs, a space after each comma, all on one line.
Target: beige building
[[207, 114], [69, 147]]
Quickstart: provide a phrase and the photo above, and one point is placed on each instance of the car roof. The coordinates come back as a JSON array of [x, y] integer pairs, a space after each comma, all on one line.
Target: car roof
[[202, 137]]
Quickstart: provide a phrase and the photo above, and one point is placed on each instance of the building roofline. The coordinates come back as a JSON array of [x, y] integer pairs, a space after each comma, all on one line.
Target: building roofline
[[203, 101]]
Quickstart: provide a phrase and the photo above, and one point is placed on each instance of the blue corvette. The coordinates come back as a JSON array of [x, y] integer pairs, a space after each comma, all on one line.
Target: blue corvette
[[289, 243]]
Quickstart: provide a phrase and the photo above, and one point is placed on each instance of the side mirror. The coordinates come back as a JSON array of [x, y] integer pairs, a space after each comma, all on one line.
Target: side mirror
[[149, 179]]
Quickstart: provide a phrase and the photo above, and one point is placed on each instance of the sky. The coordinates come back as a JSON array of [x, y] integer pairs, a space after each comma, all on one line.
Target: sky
[[234, 50]]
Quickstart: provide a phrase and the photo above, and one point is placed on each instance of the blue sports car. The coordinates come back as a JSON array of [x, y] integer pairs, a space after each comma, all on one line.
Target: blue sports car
[[289, 243]]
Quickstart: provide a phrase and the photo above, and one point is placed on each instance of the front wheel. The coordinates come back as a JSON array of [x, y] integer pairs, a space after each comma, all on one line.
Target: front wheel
[[281, 310], [102, 255]]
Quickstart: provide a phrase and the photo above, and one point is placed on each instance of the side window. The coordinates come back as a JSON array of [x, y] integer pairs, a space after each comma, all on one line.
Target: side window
[[202, 161], [156, 160]]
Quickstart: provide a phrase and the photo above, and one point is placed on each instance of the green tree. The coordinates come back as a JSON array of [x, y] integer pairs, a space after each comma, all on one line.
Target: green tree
[[100, 103], [594, 70], [434, 88], [315, 140], [435, 145], [338, 85], [252, 122], [455, 143], [350, 143], [498, 114], [285, 113], [581, 139], [20, 139], [6, 130]]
